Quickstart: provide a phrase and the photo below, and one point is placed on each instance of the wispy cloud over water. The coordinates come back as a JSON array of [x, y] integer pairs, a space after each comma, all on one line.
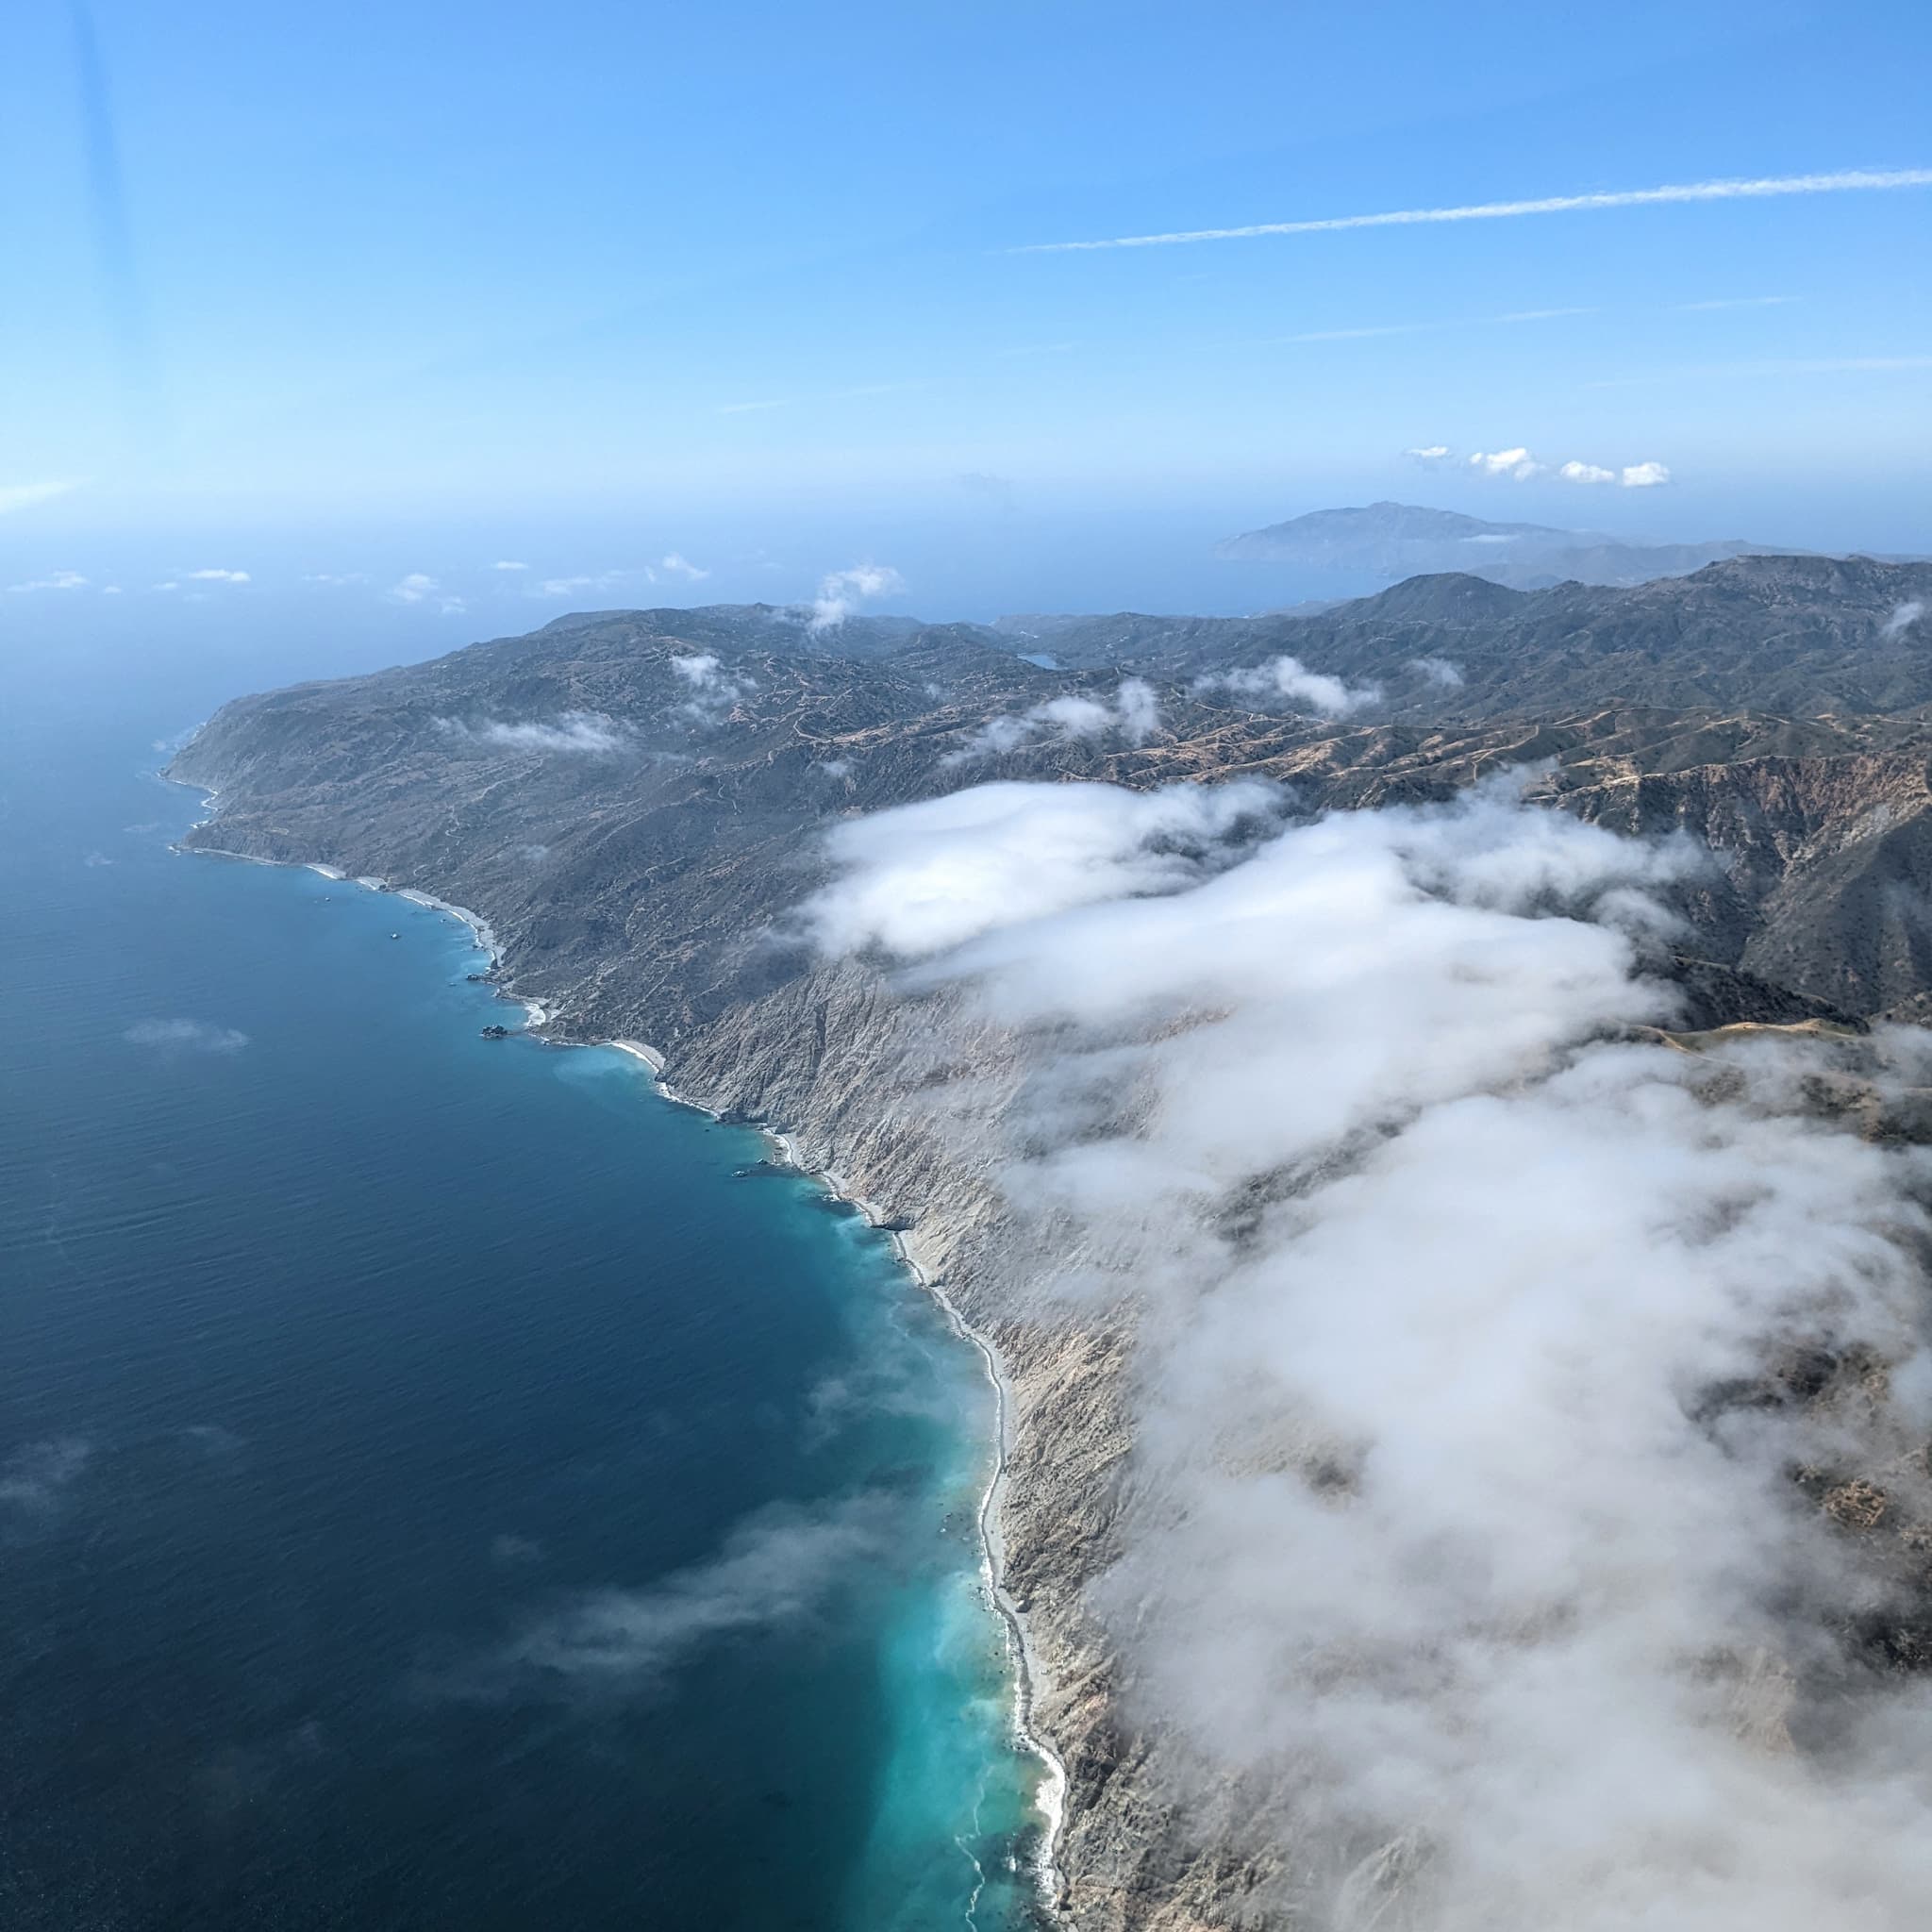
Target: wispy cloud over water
[[186, 1036], [776, 1571]]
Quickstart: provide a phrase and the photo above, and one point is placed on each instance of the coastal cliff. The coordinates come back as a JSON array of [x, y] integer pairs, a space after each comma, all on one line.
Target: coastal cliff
[[635, 803]]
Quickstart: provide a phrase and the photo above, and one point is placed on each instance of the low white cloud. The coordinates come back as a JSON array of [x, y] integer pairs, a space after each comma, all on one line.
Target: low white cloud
[[1133, 713], [1903, 618], [334, 579], [504, 563], [842, 592], [1517, 464], [186, 1036], [673, 563], [1460, 1578], [1441, 671], [1431, 456], [715, 689], [54, 580], [1288, 680], [17, 496], [923, 878], [218, 577], [582, 733]]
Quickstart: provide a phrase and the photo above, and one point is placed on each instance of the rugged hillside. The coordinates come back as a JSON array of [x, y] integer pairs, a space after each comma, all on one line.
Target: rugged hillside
[[631, 795], [634, 800], [1798, 636]]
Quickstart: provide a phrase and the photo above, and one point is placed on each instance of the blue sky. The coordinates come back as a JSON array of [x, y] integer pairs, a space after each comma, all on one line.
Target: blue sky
[[406, 291]]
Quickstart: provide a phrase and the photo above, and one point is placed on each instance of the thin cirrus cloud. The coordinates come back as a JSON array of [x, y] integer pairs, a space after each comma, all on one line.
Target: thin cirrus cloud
[[1842, 181], [1373, 330], [15, 497], [589, 581], [674, 564], [1376, 331], [1774, 367], [54, 580], [859, 392], [419, 588]]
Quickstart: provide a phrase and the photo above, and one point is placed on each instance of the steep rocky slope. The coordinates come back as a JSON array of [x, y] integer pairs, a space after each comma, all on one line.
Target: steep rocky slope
[[634, 801]]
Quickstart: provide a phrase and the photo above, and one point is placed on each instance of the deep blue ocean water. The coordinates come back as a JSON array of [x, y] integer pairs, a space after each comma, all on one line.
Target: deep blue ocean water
[[437, 1488]]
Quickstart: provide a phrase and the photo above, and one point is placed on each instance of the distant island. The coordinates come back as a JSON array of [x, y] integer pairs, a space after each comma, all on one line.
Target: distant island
[[1383, 543]]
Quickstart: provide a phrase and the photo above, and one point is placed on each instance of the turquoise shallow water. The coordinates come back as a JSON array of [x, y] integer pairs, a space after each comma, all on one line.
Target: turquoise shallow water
[[437, 1489]]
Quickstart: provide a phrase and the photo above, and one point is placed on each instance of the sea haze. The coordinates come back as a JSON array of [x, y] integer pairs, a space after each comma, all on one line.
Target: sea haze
[[438, 1486]]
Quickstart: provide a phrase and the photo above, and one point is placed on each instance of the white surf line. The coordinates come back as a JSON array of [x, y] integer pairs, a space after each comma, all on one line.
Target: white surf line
[[1052, 1794], [537, 1013], [972, 1857]]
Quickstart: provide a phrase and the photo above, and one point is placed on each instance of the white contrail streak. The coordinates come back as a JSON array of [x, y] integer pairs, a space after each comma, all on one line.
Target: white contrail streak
[[1846, 181]]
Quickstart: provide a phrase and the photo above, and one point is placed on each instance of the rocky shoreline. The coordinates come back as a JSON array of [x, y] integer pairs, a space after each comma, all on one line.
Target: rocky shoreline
[[1031, 1677]]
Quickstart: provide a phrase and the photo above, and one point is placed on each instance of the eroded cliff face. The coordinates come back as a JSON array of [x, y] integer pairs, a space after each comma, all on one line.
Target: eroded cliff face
[[643, 892]]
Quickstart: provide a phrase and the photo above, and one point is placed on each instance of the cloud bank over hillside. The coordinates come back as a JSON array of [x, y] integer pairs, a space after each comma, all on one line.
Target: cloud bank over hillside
[[1461, 1553]]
